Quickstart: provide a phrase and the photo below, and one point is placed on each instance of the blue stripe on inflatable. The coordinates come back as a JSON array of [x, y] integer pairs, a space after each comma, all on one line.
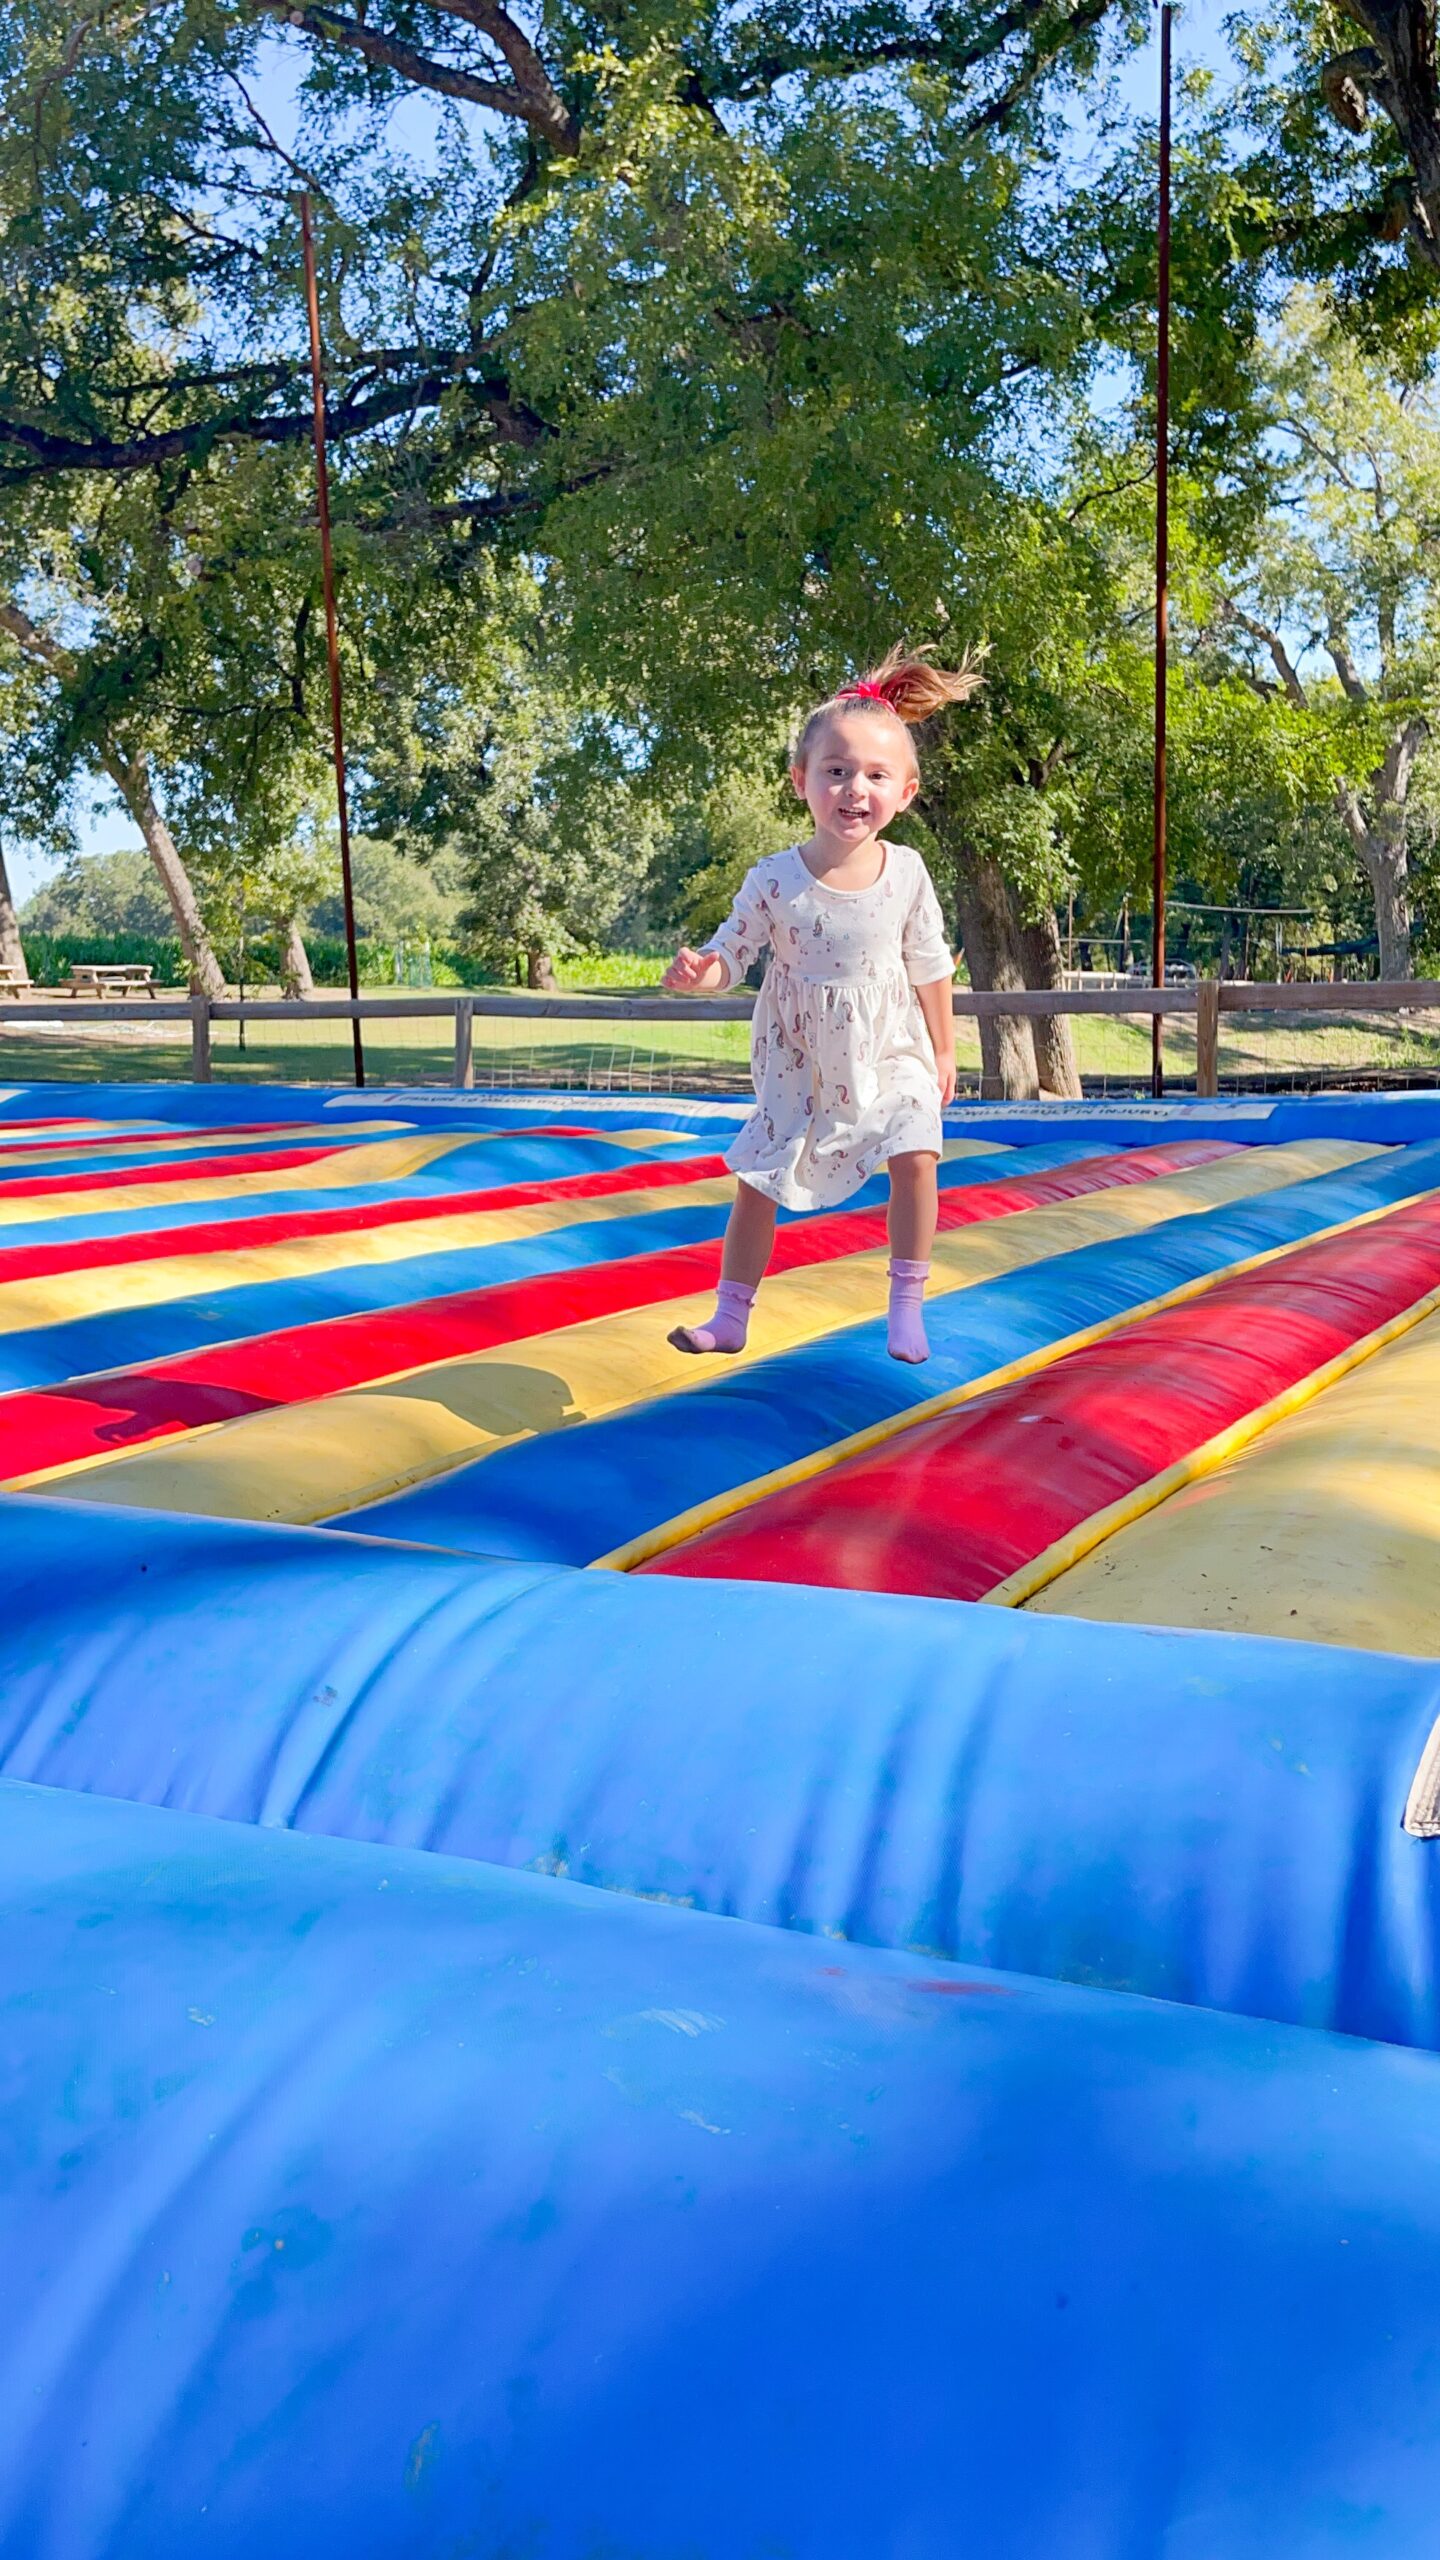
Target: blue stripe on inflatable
[[1204, 1818], [1387, 1119], [570, 1497], [102, 1159], [543, 1158], [46, 1354], [1380, 1119], [498, 1162], [37, 1142], [121, 1337], [370, 2203], [433, 1107]]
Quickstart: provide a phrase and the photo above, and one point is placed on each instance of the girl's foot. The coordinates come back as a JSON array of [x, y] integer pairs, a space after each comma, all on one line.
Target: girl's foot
[[907, 1323], [727, 1327]]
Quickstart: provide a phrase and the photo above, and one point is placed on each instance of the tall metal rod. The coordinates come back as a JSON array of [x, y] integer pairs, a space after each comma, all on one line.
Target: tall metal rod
[[1162, 549], [332, 626]]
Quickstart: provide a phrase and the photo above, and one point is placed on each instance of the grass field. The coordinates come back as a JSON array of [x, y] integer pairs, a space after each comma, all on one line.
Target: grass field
[[652, 1057]]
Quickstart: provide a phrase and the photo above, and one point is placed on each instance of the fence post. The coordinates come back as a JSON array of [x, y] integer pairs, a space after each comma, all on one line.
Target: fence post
[[464, 1037], [200, 1039], [1207, 1037]]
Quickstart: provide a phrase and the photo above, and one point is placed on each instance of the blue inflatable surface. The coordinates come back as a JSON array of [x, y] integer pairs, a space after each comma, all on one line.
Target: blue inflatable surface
[[507, 2062], [1205, 1818], [375, 2204]]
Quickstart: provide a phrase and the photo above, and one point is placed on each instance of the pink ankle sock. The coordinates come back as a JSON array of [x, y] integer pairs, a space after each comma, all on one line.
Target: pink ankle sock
[[907, 1323], [727, 1327]]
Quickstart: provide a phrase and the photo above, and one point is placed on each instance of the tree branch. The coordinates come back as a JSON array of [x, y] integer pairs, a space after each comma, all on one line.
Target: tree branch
[[531, 77], [1397, 69], [539, 107], [1280, 657], [1351, 682], [48, 451], [36, 643], [756, 76], [1392, 776]]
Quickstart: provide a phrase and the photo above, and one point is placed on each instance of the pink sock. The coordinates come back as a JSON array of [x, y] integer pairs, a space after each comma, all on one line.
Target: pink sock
[[907, 1324], [727, 1327]]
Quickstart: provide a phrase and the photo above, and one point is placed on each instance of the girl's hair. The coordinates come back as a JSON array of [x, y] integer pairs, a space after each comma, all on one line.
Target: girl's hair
[[905, 684]]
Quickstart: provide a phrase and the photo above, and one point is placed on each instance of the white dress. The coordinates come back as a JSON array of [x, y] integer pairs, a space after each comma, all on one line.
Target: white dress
[[843, 1067]]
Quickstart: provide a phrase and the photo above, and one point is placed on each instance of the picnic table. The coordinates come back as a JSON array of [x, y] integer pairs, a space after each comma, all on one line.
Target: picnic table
[[14, 982], [105, 978]]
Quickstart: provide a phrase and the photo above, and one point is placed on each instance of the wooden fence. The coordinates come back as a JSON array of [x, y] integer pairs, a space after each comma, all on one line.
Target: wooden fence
[[1206, 999]]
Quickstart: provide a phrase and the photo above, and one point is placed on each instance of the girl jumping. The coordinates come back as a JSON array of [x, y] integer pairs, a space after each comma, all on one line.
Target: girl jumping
[[852, 1047]]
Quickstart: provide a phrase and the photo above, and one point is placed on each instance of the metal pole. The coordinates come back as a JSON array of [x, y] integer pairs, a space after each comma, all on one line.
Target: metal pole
[[332, 627], [1162, 550]]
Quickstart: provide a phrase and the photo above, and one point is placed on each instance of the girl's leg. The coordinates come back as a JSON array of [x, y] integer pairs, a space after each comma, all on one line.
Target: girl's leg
[[914, 1208], [749, 1241]]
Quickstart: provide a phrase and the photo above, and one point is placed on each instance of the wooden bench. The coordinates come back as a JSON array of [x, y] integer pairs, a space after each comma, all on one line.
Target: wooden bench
[[15, 982], [111, 978]]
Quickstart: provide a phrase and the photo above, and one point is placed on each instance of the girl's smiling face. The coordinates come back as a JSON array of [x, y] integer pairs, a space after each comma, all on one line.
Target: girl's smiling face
[[859, 774]]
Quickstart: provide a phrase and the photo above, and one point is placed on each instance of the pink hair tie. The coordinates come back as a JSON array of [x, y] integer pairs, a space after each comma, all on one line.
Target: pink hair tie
[[864, 693]]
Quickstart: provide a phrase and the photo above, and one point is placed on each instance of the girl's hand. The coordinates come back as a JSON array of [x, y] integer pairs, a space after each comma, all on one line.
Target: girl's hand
[[687, 971], [945, 1071]]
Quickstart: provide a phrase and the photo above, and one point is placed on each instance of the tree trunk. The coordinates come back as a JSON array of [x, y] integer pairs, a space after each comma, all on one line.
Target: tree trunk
[[1387, 869], [1044, 963], [12, 949], [296, 978], [540, 971], [131, 777], [990, 937]]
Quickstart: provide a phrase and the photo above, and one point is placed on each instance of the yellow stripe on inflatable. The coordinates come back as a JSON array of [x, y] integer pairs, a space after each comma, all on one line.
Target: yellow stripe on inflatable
[[116, 1138], [1327, 1529], [388, 1160], [310, 1461], [85, 1134], [64, 1297], [68, 1295]]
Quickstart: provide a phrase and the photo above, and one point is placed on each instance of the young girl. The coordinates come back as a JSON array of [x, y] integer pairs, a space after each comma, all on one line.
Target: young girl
[[853, 1042]]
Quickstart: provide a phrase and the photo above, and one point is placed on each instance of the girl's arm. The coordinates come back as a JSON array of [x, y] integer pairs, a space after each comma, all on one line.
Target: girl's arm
[[931, 971], [730, 952], [939, 1015], [695, 973]]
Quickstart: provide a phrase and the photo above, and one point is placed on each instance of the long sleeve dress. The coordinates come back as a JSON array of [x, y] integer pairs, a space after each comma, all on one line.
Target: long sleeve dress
[[843, 1067]]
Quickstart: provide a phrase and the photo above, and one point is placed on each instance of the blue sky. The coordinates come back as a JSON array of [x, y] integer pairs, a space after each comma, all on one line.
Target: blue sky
[[1199, 39]]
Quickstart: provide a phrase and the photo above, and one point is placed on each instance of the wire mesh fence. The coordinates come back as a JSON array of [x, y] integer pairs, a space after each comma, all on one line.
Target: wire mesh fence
[[1263, 1039], [1359, 1050]]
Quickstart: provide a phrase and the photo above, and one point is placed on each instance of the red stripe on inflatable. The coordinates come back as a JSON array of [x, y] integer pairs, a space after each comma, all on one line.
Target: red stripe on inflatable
[[100, 1141], [252, 1235], [954, 1506], [194, 1169], [200, 1168], [59, 1426], [57, 1120]]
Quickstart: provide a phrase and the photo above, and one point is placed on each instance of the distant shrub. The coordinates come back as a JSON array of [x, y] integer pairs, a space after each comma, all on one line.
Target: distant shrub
[[382, 964], [48, 955]]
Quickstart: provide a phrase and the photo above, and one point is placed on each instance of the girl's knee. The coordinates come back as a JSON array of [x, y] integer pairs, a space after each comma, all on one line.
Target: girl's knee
[[914, 1167]]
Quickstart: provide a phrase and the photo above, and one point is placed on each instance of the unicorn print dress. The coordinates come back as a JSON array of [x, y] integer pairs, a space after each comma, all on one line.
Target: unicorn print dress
[[843, 1067]]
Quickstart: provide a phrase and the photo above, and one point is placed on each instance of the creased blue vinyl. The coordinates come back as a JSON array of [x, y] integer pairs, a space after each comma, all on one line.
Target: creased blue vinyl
[[1208, 1819], [376, 2205]]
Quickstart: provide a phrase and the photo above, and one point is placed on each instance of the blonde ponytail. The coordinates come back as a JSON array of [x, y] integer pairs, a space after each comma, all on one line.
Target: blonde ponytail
[[906, 684], [912, 687]]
